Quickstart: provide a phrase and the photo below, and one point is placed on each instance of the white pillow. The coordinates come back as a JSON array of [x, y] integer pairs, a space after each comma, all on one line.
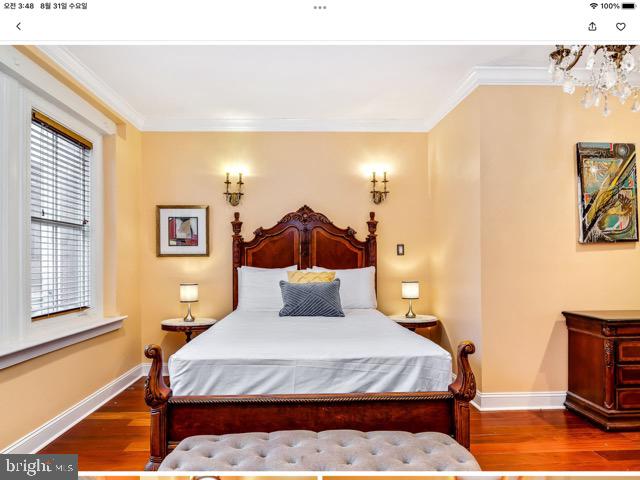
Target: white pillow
[[259, 288], [246, 268], [357, 286]]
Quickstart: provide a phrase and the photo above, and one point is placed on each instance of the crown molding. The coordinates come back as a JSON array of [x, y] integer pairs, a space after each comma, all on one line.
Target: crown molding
[[88, 79], [477, 76], [18, 66], [513, 76], [169, 124], [465, 88]]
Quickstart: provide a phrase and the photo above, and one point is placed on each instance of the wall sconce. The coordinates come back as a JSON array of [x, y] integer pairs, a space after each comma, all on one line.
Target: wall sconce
[[234, 197], [378, 196]]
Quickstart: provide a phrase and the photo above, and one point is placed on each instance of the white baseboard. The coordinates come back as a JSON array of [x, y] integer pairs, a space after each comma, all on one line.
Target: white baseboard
[[46, 433], [487, 402]]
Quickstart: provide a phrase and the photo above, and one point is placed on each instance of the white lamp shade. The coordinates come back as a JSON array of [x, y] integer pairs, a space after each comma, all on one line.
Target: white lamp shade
[[188, 292], [410, 290]]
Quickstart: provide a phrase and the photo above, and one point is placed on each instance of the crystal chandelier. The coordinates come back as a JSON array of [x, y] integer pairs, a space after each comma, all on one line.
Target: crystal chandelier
[[608, 68]]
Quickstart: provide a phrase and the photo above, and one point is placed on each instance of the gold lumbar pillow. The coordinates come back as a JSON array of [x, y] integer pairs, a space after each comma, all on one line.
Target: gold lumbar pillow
[[300, 276]]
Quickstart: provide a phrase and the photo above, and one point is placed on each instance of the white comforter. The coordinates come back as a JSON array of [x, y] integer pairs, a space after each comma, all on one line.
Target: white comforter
[[262, 353]]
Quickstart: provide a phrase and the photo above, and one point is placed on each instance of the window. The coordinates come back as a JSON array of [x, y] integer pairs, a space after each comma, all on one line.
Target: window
[[60, 219], [51, 216]]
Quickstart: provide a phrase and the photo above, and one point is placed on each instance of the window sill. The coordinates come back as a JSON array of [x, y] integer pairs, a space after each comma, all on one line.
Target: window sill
[[49, 335]]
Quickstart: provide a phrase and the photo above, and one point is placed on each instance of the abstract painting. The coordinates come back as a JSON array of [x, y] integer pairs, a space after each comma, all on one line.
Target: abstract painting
[[182, 230], [607, 192]]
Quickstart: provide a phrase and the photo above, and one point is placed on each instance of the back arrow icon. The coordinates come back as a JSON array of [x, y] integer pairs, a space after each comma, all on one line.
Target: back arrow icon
[[18, 26]]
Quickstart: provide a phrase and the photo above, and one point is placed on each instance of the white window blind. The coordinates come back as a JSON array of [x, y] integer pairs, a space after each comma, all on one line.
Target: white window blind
[[60, 223]]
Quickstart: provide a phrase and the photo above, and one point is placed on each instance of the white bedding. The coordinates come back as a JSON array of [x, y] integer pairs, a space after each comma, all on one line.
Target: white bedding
[[258, 352]]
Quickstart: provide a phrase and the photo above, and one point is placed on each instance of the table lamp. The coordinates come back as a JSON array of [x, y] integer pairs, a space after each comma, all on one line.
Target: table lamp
[[410, 291], [188, 295]]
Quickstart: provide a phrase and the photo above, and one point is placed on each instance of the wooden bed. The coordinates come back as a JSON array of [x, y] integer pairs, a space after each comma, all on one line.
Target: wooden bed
[[308, 239]]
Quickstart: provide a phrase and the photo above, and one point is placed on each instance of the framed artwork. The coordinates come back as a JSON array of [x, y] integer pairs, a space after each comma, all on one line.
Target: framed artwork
[[607, 193], [182, 231]]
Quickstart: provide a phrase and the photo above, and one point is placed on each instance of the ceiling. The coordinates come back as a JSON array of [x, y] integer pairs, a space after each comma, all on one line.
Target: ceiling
[[209, 87]]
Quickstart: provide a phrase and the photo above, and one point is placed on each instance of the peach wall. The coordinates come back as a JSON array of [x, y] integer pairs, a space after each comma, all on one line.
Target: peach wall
[[504, 257], [453, 244], [286, 170], [532, 264], [35, 391]]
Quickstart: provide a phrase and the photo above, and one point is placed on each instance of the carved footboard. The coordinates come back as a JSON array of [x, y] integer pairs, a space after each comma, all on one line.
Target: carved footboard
[[176, 418]]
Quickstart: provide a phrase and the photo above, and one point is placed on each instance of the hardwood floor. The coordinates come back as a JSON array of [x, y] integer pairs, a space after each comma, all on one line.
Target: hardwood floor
[[116, 437], [549, 440]]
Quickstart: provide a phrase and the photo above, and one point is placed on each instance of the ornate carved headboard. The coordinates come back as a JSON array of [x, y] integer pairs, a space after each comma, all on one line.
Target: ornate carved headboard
[[304, 238]]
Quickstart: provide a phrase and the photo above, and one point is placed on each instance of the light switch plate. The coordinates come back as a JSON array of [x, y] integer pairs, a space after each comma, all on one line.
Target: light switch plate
[[400, 249]]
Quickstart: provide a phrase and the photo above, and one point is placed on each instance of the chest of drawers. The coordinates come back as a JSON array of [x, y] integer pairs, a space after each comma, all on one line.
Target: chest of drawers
[[604, 367]]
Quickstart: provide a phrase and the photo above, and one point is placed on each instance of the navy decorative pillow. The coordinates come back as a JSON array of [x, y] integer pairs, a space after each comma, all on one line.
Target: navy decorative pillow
[[317, 299]]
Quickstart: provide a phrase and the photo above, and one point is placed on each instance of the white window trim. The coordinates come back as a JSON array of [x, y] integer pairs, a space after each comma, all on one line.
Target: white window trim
[[20, 337]]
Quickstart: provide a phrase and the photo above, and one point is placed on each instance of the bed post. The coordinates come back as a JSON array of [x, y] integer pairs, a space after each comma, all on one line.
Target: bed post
[[156, 395], [372, 223], [237, 254], [464, 390], [372, 245]]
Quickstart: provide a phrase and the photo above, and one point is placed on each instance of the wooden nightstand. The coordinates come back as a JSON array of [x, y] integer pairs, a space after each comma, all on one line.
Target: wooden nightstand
[[421, 321], [179, 325]]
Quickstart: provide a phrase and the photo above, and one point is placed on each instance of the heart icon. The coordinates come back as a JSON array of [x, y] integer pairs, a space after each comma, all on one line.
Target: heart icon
[[621, 26]]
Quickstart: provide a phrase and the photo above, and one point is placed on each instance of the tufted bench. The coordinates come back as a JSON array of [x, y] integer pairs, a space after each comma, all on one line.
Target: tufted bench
[[330, 450]]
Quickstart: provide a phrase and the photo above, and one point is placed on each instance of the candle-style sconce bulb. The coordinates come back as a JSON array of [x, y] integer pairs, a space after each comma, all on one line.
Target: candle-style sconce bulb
[[233, 198], [378, 196]]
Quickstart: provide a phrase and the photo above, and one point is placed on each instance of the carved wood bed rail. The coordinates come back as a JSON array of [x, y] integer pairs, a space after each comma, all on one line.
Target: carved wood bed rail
[[304, 238], [175, 418]]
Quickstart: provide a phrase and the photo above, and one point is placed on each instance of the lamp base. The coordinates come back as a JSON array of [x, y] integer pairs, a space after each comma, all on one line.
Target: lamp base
[[410, 313], [188, 317]]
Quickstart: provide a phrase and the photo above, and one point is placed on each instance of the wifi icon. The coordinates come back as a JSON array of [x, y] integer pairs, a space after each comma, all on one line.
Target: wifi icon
[[593, 5]]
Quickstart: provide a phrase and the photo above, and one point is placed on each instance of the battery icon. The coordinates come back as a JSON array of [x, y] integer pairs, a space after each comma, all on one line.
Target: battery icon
[[628, 5]]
